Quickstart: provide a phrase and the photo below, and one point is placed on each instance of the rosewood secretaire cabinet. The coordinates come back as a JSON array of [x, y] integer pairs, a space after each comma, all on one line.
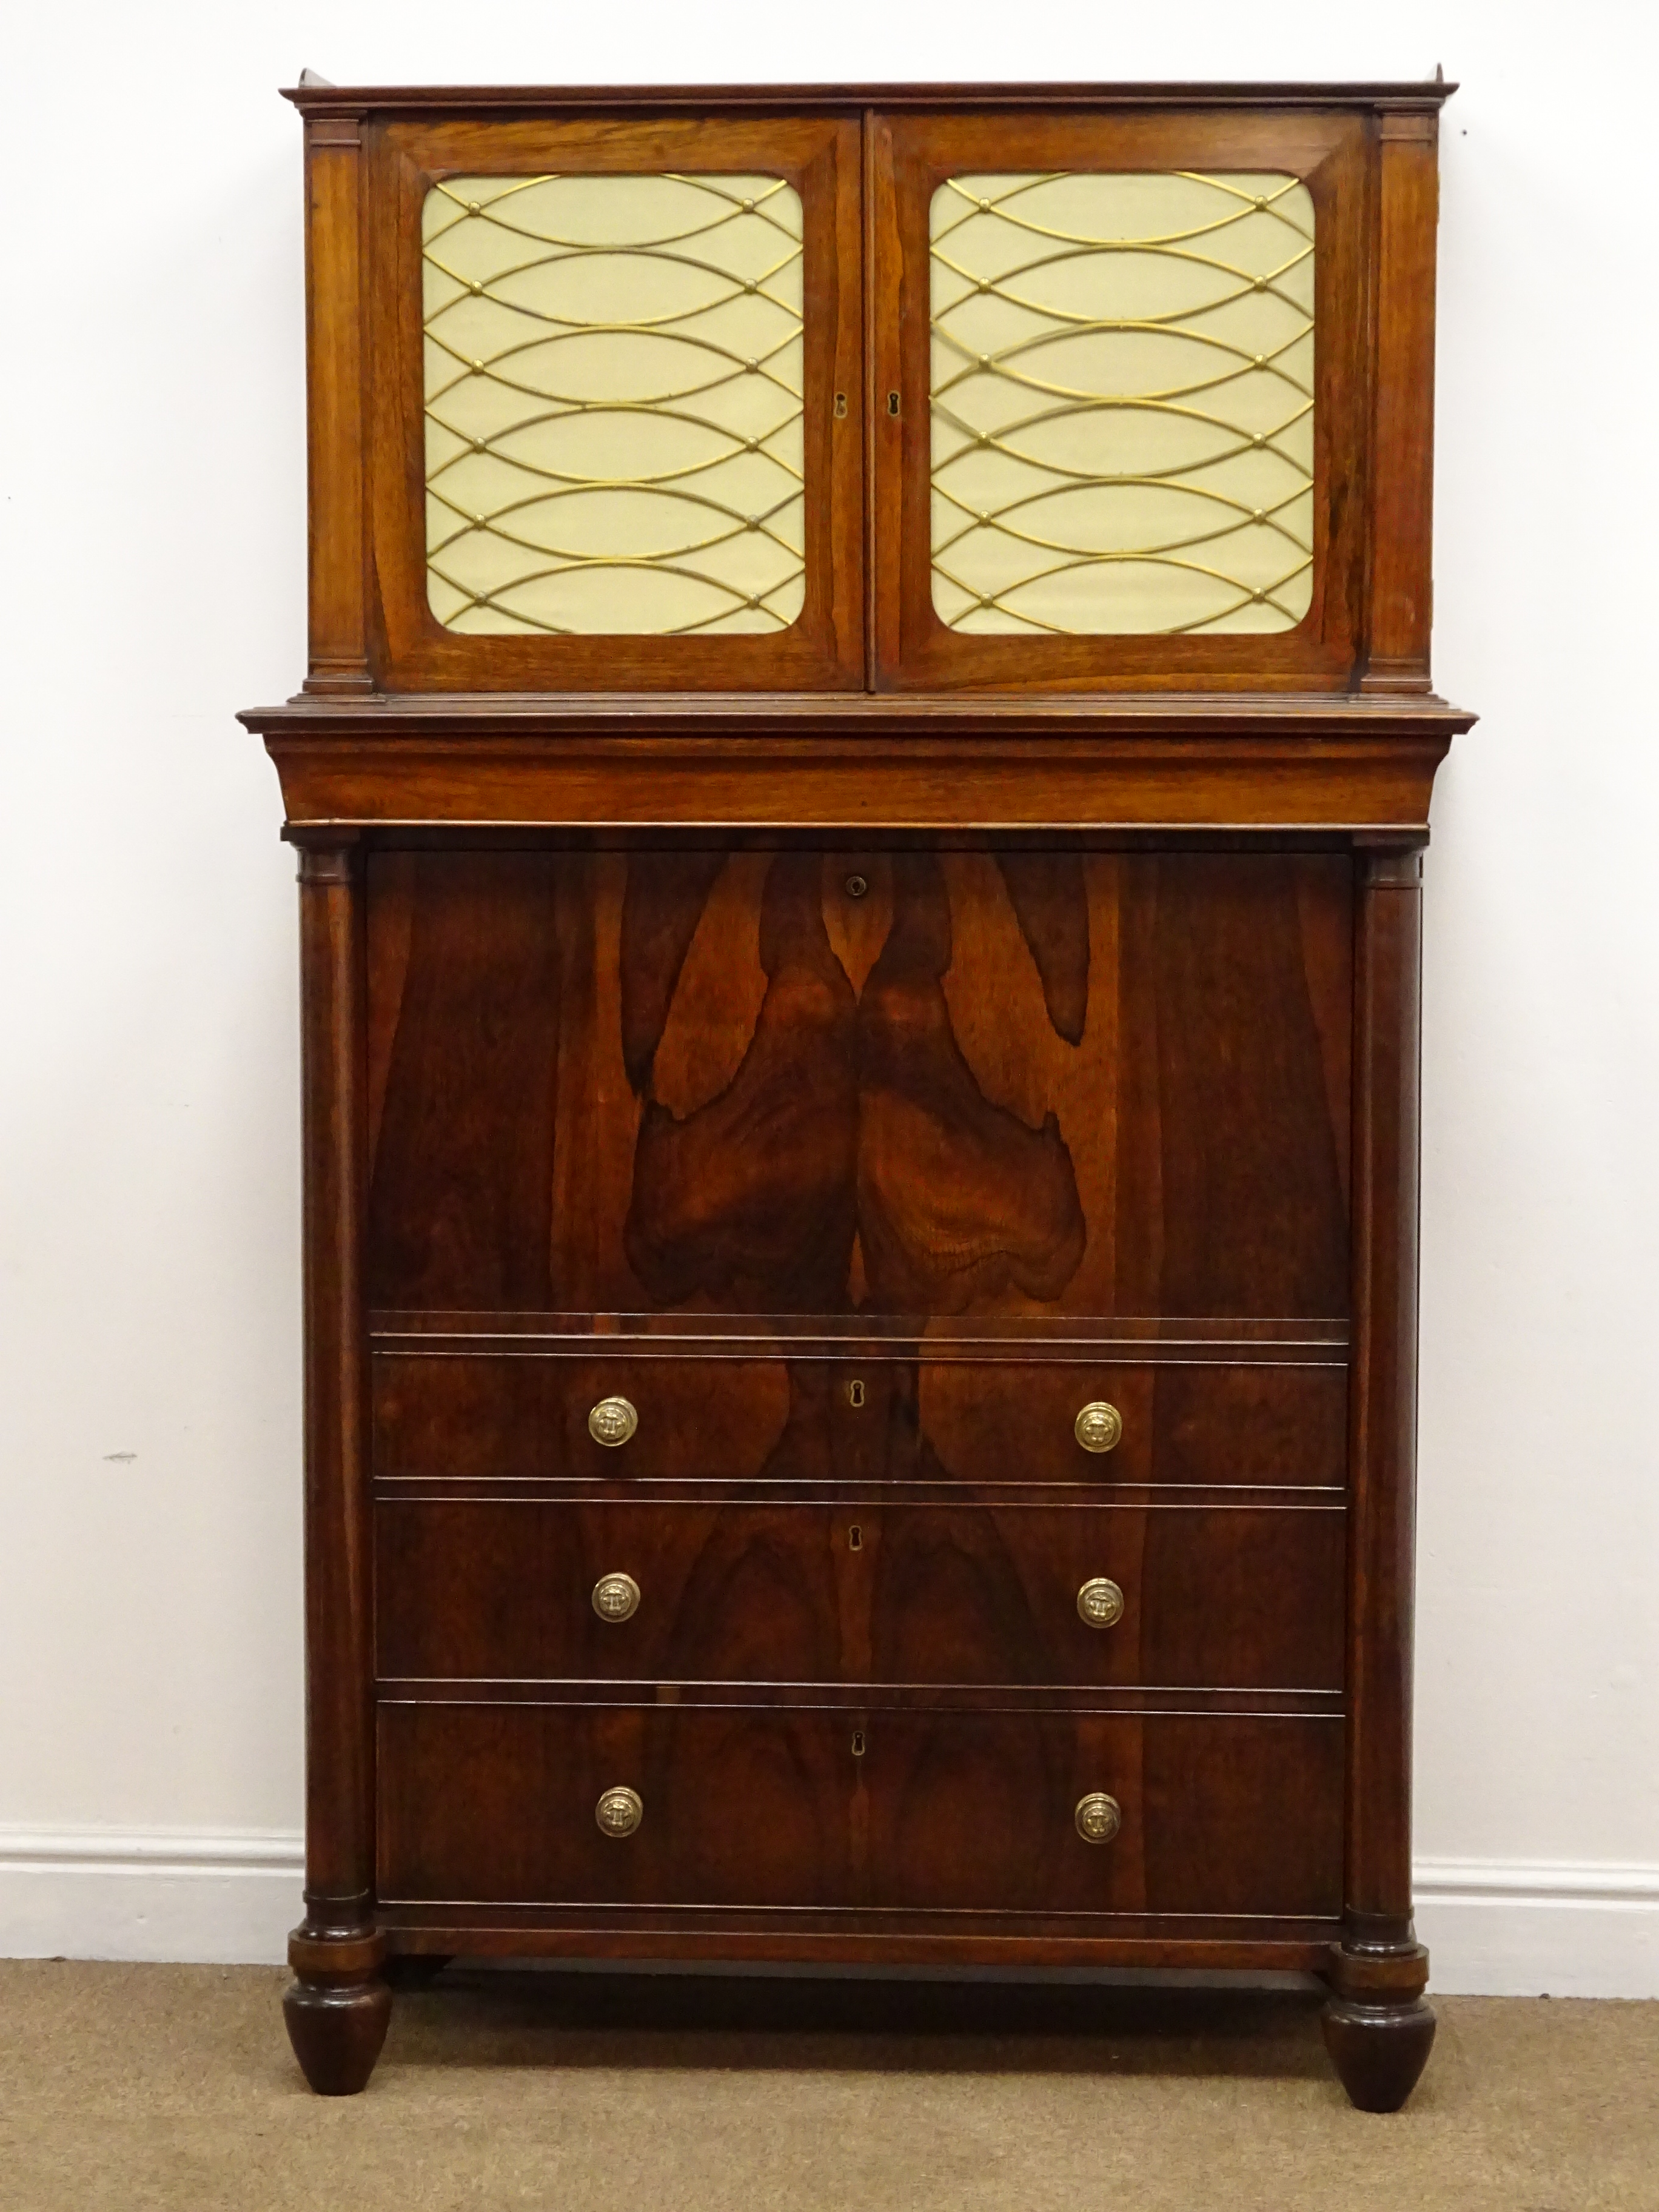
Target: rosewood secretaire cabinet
[[859, 798]]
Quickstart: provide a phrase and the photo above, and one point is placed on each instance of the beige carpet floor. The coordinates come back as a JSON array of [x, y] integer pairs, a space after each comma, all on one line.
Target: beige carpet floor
[[134, 2087]]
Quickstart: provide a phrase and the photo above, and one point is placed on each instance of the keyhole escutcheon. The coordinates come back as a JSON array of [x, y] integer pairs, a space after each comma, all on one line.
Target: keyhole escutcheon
[[856, 1538], [855, 1393], [858, 1743]]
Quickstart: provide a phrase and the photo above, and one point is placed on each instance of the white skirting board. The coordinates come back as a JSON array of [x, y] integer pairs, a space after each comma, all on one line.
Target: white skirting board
[[1499, 1927]]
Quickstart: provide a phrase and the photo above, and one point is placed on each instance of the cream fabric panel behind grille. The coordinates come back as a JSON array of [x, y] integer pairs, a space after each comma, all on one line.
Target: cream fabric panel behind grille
[[614, 437], [1122, 403]]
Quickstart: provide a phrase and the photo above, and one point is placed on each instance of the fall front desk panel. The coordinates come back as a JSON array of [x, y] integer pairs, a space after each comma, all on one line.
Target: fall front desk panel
[[835, 1166]]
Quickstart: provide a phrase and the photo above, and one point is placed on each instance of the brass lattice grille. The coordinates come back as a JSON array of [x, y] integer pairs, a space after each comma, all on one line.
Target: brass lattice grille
[[1122, 403], [614, 437]]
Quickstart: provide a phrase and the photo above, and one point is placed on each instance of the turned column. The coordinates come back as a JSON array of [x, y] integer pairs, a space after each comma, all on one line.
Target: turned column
[[338, 2005], [1377, 2028]]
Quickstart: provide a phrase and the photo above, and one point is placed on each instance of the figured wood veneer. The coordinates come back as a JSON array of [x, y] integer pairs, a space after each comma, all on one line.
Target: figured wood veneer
[[862, 1047]]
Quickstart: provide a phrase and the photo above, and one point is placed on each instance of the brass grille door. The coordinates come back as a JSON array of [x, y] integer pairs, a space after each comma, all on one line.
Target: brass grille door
[[1115, 378], [633, 406]]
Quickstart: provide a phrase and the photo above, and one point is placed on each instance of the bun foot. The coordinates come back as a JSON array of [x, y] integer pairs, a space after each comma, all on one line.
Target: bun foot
[[1378, 2048], [338, 2007], [337, 2030]]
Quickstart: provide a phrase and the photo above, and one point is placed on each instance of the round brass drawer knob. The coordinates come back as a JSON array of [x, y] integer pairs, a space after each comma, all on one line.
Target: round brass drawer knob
[[616, 1597], [1099, 1602], [1098, 1426], [1098, 1817], [620, 1811], [612, 1421]]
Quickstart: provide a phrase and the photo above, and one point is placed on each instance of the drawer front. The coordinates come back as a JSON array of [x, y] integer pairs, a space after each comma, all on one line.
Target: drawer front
[[756, 1807], [1211, 1597], [506, 1416]]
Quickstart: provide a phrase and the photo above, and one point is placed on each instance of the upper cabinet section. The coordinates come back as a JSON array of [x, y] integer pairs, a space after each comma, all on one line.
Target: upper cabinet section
[[1060, 390]]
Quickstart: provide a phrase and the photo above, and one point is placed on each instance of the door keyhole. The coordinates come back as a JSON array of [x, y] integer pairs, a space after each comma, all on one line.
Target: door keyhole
[[856, 1538], [855, 1393], [858, 1743]]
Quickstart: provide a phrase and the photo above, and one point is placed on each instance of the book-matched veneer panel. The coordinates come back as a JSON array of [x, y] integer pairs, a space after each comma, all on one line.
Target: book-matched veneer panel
[[523, 1415], [864, 1806], [859, 1591], [822, 1081]]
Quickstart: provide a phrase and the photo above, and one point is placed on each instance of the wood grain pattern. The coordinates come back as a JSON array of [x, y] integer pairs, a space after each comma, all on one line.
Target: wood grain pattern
[[337, 2008], [1252, 1200], [338, 645], [1101, 1083], [1050, 1088], [750, 1807], [1341, 762], [506, 1416], [1383, 1438], [859, 1591], [1402, 581]]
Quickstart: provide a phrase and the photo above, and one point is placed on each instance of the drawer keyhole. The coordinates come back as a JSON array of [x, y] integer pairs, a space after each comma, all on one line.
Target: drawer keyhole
[[856, 1538], [855, 1393], [858, 1743]]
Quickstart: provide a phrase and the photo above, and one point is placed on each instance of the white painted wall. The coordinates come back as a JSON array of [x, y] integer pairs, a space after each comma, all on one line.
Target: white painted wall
[[153, 481]]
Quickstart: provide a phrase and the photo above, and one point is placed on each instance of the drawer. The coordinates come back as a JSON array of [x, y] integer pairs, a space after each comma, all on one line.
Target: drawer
[[1208, 1422], [1216, 1597], [502, 1415], [505, 1416], [917, 1810]]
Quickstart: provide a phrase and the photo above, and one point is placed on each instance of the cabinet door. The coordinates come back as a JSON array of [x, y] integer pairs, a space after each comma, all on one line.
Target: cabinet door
[[1119, 392], [618, 432]]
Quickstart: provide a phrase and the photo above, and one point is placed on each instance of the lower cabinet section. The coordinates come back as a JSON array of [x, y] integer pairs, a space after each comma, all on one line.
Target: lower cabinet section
[[911, 1809]]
